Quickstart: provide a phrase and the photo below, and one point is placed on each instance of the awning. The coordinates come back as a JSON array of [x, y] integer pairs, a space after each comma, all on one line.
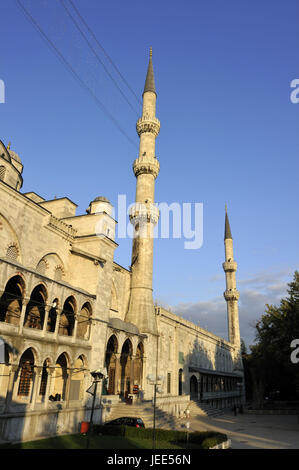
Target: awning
[[214, 372]]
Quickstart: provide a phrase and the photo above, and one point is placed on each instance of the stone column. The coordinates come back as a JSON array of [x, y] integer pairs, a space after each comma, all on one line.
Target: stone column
[[36, 386], [22, 317], [47, 310], [117, 374], [58, 314], [74, 335]]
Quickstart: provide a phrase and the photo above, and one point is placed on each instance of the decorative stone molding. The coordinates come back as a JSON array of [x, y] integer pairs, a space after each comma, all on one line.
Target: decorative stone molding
[[144, 213], [229, 266], [146, 165], [148, 124], [231, 294]]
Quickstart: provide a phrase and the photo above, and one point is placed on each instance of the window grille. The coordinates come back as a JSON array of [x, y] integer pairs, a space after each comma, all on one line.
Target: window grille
[[12, 252], [25, 379], [2, 172], [41, 267]]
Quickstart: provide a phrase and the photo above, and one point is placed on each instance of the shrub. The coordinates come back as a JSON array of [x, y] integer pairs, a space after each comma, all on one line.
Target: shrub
[[204, 439]]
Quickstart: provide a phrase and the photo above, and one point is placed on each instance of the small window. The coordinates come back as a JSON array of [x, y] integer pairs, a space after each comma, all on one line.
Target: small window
[[42, 267], [12, 253], [2, 172]]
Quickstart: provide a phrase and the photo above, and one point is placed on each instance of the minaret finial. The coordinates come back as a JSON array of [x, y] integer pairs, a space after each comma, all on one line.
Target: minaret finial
[[226, 208], [227, 231], [150, 80], [8, 146]]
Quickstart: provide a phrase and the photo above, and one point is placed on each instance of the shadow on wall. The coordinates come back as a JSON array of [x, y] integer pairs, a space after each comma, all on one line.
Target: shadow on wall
[[205, 374]]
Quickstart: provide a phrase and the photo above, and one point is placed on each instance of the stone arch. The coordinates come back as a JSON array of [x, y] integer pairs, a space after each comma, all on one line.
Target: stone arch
[[12, 300], [126, 362], [48, 265], [26, 373], [67, 317], [78, 379], [111, 364], [138, 365], [84, 321], [61, 377], [35, 311]]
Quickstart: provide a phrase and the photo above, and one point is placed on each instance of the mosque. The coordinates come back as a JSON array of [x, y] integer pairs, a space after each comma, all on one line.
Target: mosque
[[68, 309]]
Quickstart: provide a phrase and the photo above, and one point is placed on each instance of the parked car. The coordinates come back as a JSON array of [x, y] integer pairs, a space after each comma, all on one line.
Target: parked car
[[126, 421]]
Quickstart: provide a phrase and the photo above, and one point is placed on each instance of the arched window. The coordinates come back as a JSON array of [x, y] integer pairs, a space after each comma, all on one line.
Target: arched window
[[12, 253], [44, 378], [26, 373], [111, 358], [35, 311], [138, 365], [83, 328], [125, 362], [11, 300], [42, 267], [67, 318], [61, 378]]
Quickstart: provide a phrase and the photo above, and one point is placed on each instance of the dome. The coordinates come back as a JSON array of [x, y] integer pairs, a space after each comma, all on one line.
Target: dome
[[101, 199]]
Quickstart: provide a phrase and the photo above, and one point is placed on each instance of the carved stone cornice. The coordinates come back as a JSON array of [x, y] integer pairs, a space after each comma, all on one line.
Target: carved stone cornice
[[146, 165], [144, 213], [148, 124], [230, 266]]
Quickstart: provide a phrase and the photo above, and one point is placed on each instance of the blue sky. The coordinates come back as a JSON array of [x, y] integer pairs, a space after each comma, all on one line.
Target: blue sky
[[229, 132]]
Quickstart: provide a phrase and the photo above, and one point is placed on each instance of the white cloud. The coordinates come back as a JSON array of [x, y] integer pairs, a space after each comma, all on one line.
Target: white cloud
[[255, 292]]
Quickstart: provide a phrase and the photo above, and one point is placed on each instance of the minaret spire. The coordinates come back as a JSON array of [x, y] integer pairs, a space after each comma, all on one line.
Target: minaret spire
[[144, 215], [231, 293], [150, 79]]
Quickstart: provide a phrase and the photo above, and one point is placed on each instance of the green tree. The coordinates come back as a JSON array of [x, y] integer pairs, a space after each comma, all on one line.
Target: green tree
[[269, 362]]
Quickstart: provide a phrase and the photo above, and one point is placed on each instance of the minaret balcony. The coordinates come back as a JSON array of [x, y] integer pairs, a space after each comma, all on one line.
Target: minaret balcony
[[229, 266], [148, 124], [231, 294], [146, 165], [144, 212]]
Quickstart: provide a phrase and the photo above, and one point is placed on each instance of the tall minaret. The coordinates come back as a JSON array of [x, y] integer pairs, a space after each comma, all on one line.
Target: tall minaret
[[144, 215], [231, 294]]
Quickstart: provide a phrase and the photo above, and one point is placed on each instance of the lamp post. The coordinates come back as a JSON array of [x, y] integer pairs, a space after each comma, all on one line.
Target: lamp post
[[98, 376], [155, 381]]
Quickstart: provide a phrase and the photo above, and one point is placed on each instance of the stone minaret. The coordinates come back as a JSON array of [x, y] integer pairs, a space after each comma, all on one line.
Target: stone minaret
[[231, 294], [144, 215]]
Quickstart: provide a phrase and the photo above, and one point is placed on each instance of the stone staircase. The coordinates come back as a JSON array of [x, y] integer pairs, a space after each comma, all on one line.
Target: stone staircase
[[202, 409], [145, 411]]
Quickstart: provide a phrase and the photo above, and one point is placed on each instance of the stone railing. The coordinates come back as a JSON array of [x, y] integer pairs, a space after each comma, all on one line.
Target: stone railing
[[61, 226], [173, 405]]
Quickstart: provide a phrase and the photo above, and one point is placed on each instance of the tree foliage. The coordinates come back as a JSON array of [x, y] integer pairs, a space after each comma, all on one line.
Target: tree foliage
[[269, 361]]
